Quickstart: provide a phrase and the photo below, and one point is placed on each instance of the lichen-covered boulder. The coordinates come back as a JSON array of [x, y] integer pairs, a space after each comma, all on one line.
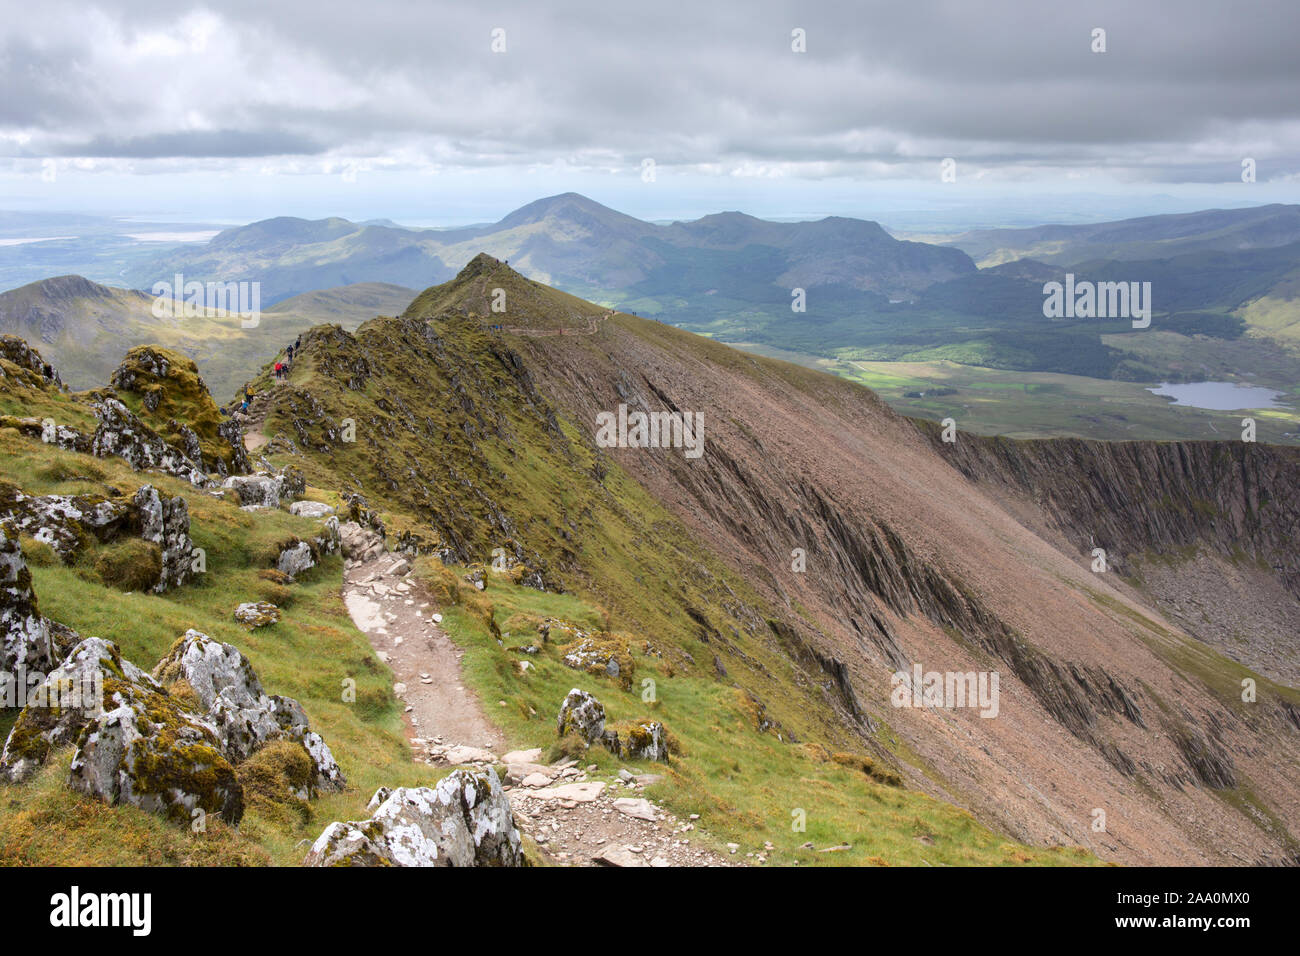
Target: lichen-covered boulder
[[68, 522], [646, 742], [295, 559], [465, 820], [72, 694], [255, 614], [64, 522], [147, 752], [166, 522], [583, 715], [261, 490], [311, 509], [134, 742], [244, 716], [25, 640]]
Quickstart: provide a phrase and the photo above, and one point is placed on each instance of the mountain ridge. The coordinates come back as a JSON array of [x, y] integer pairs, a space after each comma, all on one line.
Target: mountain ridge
[[910, 560]]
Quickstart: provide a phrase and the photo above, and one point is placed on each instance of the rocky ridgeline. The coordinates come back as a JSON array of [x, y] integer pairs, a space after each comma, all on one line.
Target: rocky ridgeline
[[168, 742]]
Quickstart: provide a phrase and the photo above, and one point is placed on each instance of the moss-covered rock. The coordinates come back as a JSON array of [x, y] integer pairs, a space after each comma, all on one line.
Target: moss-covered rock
[[148, 752], [175, 402], [465, 820], [255, 614], [645, 741], [71, 695], [244, 717]]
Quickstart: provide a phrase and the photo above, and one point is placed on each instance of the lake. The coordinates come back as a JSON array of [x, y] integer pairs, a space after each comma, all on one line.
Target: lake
[[1220, 396]]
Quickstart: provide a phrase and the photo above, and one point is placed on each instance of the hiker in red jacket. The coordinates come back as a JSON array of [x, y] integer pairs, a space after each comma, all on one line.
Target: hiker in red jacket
[[279, 370]]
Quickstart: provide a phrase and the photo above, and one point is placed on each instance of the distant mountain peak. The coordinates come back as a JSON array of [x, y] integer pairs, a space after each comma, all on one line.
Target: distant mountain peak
[[71, 287], [568, 206]]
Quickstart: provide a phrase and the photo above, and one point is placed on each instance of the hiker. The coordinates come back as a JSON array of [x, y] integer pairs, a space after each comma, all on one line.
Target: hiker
[[279, 370], [248, 398]]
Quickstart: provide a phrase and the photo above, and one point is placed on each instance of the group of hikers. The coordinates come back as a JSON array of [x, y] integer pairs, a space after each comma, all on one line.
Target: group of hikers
[[281, 370], [282, 366]]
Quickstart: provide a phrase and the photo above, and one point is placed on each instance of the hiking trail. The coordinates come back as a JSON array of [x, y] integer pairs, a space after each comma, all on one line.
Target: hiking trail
[[574, 818]]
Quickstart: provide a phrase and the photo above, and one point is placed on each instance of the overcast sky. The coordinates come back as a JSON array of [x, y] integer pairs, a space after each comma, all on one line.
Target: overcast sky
[[238, 110]]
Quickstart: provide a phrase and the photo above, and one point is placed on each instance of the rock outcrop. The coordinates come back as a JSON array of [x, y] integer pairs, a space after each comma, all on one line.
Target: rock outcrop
[[122, 434], [166, 522], [465, 820], [262, 490], [25, 641], [25, 363], [243, 715], [134, 743], [61, 705], [180, 407], [67, 522]]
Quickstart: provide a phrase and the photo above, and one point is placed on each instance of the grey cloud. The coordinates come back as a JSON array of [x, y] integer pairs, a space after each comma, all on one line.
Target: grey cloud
[[685, 82]]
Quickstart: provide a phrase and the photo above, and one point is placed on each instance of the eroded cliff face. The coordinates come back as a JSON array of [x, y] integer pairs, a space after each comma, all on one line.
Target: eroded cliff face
[[1241, 499], [1207, 531]]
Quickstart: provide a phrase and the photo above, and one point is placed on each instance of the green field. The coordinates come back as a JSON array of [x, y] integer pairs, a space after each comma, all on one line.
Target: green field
[[1045, 404]]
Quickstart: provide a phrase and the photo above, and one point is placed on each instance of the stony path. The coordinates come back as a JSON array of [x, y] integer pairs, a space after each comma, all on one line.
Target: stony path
[[592, 325], [575, 818], [254, 438], [402, 624]]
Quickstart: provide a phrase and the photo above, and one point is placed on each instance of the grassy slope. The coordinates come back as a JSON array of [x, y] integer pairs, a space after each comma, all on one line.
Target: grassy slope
[[306, 656], [746, 786]]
